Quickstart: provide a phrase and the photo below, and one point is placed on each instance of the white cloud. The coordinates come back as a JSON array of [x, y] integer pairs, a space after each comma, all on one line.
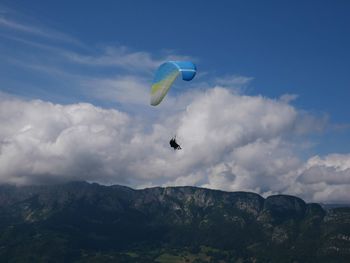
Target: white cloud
[[40, 31], [234, 81], [123, 58], [45, 142], [325, 179], [230, 142], [117, 56], [287, 98]]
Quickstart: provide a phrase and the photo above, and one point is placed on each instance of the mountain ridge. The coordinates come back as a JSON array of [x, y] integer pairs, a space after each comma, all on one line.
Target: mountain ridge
[[83, 222]]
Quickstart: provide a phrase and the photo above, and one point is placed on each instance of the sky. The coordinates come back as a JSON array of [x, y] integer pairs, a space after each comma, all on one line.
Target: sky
[[267, 111]]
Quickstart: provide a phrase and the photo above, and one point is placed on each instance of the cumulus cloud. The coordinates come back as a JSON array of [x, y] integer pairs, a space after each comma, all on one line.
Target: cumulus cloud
[[230, 142], [41, 141], [325, 179]]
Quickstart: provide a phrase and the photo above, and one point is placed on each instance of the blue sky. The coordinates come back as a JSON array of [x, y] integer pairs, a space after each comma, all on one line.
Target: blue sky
[[77, 51], [298, 47], [287, 46]]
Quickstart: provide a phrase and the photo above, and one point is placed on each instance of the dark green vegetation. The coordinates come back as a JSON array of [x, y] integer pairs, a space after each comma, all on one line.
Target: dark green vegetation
[[81, 222]]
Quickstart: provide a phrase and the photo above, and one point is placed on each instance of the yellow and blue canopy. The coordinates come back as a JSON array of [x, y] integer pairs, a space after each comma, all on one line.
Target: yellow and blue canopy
[[165, 76]]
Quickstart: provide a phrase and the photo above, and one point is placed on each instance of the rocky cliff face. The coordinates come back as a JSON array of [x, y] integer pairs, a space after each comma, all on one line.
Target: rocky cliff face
[[62, 222]]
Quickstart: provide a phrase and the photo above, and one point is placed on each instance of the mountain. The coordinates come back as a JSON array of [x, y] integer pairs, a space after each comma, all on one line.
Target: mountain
[[83, 222]]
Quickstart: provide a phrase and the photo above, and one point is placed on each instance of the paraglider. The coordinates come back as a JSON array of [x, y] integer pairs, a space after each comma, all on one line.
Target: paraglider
[[165, 76], [174, 144]]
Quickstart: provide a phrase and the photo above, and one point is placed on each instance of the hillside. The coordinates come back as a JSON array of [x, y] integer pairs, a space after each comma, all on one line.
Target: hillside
[[82, 222]]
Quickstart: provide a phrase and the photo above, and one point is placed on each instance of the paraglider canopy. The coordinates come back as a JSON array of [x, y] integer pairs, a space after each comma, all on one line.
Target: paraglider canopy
[[165, 76], [174, 144]]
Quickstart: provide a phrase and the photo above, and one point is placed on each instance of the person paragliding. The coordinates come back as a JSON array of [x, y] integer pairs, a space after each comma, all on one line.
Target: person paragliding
[[164, 77], [173, 143]]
